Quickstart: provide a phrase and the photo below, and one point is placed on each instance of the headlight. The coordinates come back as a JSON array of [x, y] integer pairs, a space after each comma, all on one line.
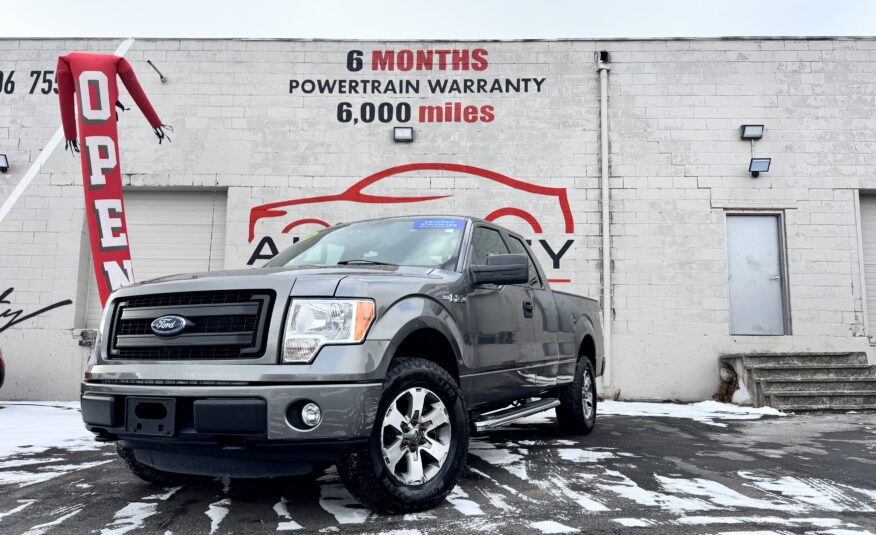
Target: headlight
[[313, 323], [95, 350], [98, 336]]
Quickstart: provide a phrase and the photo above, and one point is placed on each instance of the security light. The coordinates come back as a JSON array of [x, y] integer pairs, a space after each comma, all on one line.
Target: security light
[[403, 134], [4, 163], [758, 166], [751, 131]]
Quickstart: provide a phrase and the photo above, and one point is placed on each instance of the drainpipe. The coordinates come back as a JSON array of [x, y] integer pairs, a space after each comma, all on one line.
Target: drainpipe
[[602, 67]]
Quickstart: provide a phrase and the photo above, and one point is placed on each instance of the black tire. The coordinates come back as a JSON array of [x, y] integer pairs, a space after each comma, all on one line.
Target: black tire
[[572, 412], [149, 474], [364, 471]]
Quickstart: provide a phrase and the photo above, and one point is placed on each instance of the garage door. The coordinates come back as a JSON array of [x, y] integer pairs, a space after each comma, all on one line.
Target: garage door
[[868, 239], [170, 232]]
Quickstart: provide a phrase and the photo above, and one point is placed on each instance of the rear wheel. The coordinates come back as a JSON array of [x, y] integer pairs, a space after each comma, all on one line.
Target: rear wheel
[[577, 411], [418, 446]]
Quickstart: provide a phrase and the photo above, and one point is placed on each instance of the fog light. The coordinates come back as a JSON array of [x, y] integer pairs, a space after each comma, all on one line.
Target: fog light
[[311, 415]]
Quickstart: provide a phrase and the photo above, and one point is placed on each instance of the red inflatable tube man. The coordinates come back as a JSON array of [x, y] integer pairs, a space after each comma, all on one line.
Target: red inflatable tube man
[[92, 78]]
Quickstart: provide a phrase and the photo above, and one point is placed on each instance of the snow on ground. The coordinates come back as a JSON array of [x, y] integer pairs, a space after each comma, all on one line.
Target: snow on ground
[[30, 427], [626, 488], [22, 504], [217, 512], [559, 487], [707, 412], [551, 526], [24, 478], [335, 499], [286, 522], [818, 493], [512, 462], [579, 455], [130, 517], [135, 514], [66, 514], [634, 522], [459, 499]]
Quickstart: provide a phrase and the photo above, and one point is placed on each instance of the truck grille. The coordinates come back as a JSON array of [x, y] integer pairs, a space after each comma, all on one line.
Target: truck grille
[[221, 325]]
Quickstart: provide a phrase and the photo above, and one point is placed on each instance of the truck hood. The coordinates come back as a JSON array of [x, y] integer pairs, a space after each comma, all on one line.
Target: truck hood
[[298, 280], [321, 272]]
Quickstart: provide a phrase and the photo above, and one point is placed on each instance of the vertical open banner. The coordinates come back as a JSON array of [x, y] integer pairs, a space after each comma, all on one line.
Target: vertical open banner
[[90, 80]]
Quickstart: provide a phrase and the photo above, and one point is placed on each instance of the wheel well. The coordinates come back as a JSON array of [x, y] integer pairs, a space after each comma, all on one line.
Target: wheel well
[[431, 345], [588, 349]]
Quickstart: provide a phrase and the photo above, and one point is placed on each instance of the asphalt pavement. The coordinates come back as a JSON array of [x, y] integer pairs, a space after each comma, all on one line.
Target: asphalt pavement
[[634, 474]]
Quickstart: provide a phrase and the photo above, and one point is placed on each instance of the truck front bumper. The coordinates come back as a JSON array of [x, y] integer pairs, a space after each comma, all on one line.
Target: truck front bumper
[[228, 415]]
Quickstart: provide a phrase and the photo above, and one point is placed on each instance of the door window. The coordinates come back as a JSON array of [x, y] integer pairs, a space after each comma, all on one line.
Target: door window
[[486, 242]]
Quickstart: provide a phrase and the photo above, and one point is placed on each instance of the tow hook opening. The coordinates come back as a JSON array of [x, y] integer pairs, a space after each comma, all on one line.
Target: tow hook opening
[[232, 443]]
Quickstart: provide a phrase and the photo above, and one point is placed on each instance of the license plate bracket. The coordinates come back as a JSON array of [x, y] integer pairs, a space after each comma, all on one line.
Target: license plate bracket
[[150, 416]]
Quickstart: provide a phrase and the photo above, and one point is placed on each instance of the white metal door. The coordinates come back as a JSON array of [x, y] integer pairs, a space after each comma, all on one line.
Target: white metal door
[[868, 244], [756, 272], [170, 232]]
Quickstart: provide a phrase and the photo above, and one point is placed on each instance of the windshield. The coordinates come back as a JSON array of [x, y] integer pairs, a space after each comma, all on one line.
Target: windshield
[[427, 242]]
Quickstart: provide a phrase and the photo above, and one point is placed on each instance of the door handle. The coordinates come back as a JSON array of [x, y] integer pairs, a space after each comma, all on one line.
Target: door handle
[[776, 278], [527, 309]]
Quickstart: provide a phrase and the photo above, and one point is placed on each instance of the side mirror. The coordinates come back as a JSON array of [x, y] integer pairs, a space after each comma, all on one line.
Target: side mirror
[[502, 269]]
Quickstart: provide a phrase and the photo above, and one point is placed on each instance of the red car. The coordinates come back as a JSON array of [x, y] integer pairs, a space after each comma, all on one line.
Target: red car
[[554, 201]]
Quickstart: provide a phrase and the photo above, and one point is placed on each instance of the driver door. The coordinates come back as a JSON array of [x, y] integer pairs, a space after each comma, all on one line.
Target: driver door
[[500, 326]]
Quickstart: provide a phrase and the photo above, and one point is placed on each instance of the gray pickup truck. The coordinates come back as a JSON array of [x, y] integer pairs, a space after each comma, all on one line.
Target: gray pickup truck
[[378, 346]]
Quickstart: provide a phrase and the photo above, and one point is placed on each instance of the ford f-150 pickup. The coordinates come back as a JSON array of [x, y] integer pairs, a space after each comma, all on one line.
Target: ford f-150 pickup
[[378, 346]]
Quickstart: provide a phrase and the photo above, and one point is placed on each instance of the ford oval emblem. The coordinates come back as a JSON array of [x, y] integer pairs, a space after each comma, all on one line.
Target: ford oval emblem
[[169, 325]]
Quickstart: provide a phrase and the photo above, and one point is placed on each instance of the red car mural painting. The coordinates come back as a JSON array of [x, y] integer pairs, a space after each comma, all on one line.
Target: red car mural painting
[[302, 209]]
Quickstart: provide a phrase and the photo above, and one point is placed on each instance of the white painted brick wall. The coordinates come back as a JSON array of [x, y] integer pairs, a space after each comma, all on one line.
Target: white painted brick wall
[[676, 164]]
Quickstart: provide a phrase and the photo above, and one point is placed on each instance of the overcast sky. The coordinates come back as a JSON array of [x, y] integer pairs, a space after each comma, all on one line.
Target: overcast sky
[[436, 19]]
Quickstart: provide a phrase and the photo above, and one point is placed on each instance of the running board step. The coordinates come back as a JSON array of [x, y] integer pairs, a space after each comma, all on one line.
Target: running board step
[[515, 413]]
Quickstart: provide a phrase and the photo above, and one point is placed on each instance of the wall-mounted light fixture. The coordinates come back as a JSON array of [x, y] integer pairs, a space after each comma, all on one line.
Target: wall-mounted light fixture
[[758, 166], [751, 131], [4, 163], [403, 134]]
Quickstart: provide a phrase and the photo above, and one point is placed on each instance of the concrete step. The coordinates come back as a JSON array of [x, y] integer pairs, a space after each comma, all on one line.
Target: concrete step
[[823, 408], [805, 359], [819, 384], [808, 381], [790, 372], [823, 400]]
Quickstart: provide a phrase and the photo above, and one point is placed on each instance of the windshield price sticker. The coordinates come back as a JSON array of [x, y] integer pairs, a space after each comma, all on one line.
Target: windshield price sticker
[[440, 224]]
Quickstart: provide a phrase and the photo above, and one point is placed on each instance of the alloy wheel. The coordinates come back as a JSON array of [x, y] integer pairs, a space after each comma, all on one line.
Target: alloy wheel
[[415, 438], [587, 396]]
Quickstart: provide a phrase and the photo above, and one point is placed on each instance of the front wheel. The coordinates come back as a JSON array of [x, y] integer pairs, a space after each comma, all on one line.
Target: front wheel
[[577, 411], [149, 474], [418, 446]]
